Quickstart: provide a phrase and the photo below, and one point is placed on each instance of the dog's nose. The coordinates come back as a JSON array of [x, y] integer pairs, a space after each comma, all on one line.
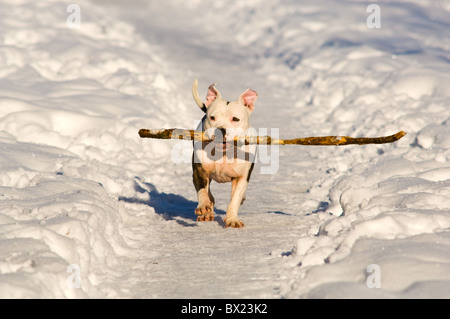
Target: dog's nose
[[220, 131], [223, 130]]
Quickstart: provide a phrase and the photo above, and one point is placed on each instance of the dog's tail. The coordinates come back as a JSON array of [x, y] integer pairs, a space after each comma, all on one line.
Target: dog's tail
[[197, 98]]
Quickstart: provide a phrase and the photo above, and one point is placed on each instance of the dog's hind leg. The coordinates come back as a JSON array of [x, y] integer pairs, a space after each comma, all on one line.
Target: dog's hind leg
[[210, 195]]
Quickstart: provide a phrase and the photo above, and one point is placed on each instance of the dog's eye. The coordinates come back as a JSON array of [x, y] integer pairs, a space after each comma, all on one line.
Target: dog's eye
[[212, 118], [235, 119]]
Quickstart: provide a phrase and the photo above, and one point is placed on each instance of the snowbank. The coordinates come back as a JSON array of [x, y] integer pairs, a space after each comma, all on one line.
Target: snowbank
[[70, 105]]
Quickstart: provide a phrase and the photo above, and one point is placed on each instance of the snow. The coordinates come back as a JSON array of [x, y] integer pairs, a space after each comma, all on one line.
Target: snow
[[90, 210]]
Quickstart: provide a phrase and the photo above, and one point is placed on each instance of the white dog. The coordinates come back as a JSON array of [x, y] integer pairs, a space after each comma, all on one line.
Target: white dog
[[223, 160]]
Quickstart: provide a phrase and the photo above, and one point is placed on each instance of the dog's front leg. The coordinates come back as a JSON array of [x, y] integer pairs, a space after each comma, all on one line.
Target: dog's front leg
[[239, 186], [205, 208]]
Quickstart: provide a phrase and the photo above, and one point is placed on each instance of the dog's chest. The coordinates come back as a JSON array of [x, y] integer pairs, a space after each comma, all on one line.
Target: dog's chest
[[222, 171]]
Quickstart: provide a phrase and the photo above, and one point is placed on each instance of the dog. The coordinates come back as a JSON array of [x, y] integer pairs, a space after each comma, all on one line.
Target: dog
[[222, 160]]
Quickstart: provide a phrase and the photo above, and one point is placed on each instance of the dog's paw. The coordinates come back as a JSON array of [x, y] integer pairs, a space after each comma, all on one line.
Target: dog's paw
[[233, 222], [206, 218], [205, 212]]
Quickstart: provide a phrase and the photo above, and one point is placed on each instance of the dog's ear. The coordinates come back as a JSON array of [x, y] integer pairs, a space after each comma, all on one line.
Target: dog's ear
[[248, 98], [213, 94]]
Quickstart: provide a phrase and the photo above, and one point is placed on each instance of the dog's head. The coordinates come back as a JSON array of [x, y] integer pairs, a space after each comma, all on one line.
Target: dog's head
[[230, 118]]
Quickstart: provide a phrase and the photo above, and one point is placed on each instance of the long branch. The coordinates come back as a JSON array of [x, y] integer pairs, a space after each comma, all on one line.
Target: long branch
[[264, 140]]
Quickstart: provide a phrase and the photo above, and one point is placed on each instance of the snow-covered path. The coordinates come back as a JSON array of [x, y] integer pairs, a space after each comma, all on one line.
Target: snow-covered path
[[205, 259], [81, 192]]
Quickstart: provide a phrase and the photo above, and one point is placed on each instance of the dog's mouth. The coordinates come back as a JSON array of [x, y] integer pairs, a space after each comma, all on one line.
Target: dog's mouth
[[222, 145], [221, 141]]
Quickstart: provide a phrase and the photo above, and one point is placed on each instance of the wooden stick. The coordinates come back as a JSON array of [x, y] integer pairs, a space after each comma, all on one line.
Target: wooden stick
[[264, 140]]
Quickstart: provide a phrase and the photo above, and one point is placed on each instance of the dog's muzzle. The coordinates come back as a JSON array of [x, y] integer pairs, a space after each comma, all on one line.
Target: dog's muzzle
[[220, 139]]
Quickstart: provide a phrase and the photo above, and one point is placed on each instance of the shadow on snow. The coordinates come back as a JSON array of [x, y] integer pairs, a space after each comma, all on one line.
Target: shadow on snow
[[169, 206]]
